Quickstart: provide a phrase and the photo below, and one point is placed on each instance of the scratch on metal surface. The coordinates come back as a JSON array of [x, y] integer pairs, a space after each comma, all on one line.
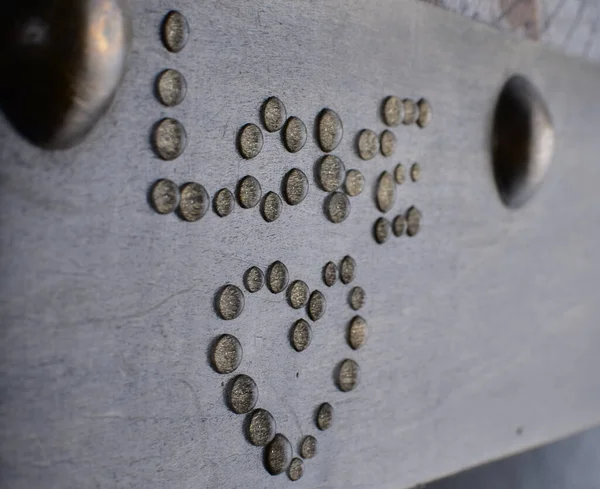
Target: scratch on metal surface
[[194, 394]]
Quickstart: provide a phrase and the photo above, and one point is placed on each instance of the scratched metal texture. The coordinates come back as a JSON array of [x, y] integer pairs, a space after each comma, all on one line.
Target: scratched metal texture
[[483, 328]]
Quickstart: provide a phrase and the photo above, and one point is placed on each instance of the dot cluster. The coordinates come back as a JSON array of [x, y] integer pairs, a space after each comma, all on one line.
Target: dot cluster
[[394, 111], [331, 175], [166, 197], [169, 137], [347, 373], [410, 222], [248, 192], [274, 118], [385, 194], [191, 202], [242, 392], [169, 142]]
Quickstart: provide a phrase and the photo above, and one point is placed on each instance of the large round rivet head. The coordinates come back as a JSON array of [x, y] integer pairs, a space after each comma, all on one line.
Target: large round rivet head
[[522, 141], [62, 65]]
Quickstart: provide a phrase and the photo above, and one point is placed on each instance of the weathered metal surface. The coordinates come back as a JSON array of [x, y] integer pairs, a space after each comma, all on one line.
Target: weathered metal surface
[[483, 327]]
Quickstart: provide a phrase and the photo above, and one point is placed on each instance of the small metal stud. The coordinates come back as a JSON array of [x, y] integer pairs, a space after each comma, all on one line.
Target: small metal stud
[[386, 192], [337, 207], [358, 298], [347, 270], [387, 143], [273, 114], [399, 174], [410, 111], [164, 196], [224, 202], [271, 207], [425, 113], [194, 202], [171, 88], [250, 141], [169, 139], [357, 333], [308, 447], [398, 225], [254, 279], [368, 144], [355, 183], [415, 172], [381, 230], [330, 274], [330, 130], [298, 294], [324, 416], [294, 134], [226, 354], [295, 186], [331, 173], [392, 111], [413, 221], [317, 305], [175, 31], [348, 375], [261, 427], [296, 469], [278, 455], [277, 277], [301, 335], [249, 192], [230, 302], [243, 394]]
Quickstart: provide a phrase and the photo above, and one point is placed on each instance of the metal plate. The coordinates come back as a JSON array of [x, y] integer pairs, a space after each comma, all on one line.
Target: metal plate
[[483, 327]]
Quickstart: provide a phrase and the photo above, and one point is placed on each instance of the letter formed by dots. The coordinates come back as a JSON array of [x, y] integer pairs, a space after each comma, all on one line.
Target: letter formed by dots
[[169, 140], [395, 112], [242, 392]]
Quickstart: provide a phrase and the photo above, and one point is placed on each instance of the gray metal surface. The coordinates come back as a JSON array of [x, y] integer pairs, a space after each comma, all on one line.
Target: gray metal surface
[[483, 327]]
